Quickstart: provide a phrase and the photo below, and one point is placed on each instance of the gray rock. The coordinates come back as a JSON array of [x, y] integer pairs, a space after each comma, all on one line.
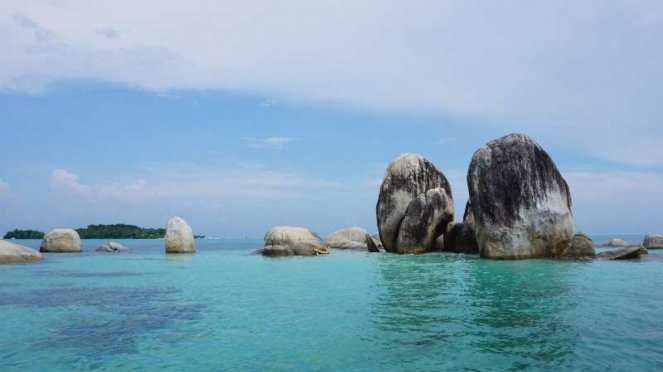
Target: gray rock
[[581, 247], [521, 203], [113, 247], [615, 243], [293, 241], [372, 245], [425, 220], [14, 253], [653, 242], [179, 237], [104, 248], [61, 241], [349, 238], [376, 239], [461, 237], [626, 253], [415, 205]]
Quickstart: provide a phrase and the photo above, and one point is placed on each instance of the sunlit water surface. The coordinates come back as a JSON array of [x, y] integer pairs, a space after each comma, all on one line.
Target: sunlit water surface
[[223, 309]]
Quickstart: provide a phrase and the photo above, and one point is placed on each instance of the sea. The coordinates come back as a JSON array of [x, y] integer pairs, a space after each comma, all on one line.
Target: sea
[[224, 309]]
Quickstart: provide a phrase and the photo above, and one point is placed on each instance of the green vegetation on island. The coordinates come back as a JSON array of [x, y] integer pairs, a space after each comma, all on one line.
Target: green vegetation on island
[[24, 234], [119, 231], [115, 231]]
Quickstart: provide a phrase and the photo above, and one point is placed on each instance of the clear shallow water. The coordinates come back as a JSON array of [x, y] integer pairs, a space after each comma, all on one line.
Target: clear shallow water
[[224, 309]]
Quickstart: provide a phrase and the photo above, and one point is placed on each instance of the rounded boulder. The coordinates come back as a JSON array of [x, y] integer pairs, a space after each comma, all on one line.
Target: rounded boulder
[[61, 241]]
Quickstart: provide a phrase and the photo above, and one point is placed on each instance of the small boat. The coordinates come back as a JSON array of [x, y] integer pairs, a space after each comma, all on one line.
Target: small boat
[[322, 251]]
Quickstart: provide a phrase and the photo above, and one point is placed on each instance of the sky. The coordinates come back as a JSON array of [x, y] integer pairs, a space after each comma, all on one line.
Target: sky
[[243, 115]]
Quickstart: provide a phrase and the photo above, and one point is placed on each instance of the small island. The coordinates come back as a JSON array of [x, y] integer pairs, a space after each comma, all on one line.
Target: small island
[[114, 231]]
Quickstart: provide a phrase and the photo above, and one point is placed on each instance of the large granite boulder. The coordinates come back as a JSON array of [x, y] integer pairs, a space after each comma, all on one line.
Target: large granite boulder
[[581, 247], [14, 253], [179, 237], [293, 241], [615, 243], [626, 253], [521, 203], [653, 242], [349, 238], [61, 241], [462, 236], [113, 247], [415, 205]]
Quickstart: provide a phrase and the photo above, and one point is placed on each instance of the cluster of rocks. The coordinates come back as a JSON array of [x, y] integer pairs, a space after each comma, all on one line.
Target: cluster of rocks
[[179, 239], [415, 206], [112, 247]]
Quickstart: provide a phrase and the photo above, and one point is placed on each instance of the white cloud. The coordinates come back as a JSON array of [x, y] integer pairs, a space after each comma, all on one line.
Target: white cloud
[[271, 142], [585, 74], [4, 188], [64, 182]]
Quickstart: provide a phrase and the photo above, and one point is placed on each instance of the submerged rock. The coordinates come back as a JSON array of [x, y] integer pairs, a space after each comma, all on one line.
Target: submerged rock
[[626, 253], [293, 241], [349, 238], [653, 242], [462, 236], [179, 237], [415, 205], [521, 203], [113, 247], [61, 241], [580, 248], [615, 243], [14, 253]]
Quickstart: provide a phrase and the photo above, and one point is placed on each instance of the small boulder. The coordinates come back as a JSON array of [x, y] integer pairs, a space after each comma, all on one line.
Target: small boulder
[[14, 253], [462, 236], [653, 242], [580, 248], [349, 238], [615, 243], [293, 241], [372, 245], [626, 253], [61, 241], [179, 237], [113, 247]]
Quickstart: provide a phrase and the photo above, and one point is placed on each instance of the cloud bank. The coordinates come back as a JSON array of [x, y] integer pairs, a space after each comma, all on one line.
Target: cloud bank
[[586, 74]]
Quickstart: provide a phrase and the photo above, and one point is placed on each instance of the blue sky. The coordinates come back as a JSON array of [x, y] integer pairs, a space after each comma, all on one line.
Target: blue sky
[[239, 116]]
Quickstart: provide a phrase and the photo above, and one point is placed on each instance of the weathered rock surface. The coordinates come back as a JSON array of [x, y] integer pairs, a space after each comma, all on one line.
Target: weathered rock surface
[[14, 253], [521, 203], [61, 241], [113, 247], [653, 242], [415, 205], [349, 238], [580, 248], [179, 237], [615, 243], [292, 241], [626, 253], [462, 236]]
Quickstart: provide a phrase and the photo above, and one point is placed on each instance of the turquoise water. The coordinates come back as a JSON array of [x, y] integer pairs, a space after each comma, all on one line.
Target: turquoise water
[[223, 309]]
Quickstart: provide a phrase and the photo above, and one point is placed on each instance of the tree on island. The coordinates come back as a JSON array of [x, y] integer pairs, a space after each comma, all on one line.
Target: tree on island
[[24, 234], [115, 231]]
